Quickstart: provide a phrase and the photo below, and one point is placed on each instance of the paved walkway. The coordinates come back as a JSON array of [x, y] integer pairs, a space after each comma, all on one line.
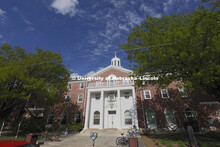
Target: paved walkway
[[82, 140]]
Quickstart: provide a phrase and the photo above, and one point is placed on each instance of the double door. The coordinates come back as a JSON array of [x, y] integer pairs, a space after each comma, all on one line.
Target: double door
[[112, 119]]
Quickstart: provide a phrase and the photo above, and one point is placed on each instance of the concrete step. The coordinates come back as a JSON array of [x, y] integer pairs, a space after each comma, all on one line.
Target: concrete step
[[104, 132]]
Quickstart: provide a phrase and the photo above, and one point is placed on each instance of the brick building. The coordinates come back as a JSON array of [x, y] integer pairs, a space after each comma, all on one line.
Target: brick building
[[111, 100]]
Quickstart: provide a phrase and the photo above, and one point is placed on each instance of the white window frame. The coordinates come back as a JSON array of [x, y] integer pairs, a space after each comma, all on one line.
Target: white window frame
[[218, 114], [171, 126], [66, 96], [98, 113], [126, 118], [127, 95], [111, 100], [150, 126], [149, 94], [69, 87], [96, 96], [166, 92], [81, 86], [78, 98], [184, 93], [111, 80]]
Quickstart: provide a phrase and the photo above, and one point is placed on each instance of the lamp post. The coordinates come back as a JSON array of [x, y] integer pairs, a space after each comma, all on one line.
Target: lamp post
[[2, 128], [18, 130]]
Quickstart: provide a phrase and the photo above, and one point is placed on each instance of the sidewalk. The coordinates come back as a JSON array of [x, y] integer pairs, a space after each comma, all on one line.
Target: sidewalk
[[85, 141]]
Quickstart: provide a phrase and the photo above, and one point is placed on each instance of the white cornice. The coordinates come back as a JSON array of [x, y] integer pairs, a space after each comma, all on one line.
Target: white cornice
[[111, 67]]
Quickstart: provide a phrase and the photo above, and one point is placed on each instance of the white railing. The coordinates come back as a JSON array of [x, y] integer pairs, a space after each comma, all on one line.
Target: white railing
[[111, 84]]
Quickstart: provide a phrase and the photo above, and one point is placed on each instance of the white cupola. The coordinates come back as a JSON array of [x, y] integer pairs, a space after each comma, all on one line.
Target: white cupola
[[116, 61]]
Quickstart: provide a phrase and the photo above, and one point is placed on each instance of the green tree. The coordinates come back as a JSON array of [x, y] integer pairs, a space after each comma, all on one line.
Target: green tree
[[38, 75], [184, 47]]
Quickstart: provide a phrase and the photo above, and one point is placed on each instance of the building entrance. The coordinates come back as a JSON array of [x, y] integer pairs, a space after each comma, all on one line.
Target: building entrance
[[111, 119]]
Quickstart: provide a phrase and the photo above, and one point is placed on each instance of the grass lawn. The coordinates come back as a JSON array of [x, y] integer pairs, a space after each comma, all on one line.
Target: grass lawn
[[180, 140], [21, 138]]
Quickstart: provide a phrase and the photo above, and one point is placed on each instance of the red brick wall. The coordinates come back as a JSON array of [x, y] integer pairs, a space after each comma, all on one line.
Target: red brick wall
[[177, 104], [157, 103]]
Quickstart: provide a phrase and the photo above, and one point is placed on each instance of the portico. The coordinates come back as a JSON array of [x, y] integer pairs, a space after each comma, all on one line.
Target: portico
[[111, 107]]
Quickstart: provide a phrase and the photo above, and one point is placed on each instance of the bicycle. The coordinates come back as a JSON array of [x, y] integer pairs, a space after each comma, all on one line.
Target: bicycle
[[122, 140], [134, 131]]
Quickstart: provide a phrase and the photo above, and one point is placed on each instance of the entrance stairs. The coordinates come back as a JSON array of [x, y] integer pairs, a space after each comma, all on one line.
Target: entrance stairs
[[104, 132]]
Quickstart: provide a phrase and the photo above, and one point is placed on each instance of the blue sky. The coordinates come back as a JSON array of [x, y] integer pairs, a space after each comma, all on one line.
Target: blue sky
[[80, 28]]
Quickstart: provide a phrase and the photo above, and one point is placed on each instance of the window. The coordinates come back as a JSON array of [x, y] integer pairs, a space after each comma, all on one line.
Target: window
[[80, 98], [50, 118], [69, 87], [96, 118], [78, 117], [128, 119], [127, 95], [170, 118], [147, 94], [63, 118], [182, 92], [151, 119], [111, 80], [40, 115], [81, 86], [98, 83], [211, 122], [111, 97], [67, 98], [164, 93], [218, 114], [190, 115], [97, 96]]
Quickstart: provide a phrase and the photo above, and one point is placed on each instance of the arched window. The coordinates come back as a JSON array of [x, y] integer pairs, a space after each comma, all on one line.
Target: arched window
[[151, 119], [96, 118], [190, 115], [78, 117], [170, 118], [50, 118], [128, 119], [111, 80], [63, 118], [218, 114]]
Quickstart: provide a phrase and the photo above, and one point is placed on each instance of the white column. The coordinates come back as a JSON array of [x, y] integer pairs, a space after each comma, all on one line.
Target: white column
[[102, 111], [135, 116], [119, 109], [87, 112]]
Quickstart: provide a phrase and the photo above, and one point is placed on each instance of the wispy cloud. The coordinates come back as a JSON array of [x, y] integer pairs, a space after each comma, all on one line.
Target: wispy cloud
[[118, 3], [25, 20], [92, 72], [1, 36], [29, 29], [2, 16], [150, 11], [167, 5], [65, 7], [28, 23], [14, 8], [74, 75], [133, 18]]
